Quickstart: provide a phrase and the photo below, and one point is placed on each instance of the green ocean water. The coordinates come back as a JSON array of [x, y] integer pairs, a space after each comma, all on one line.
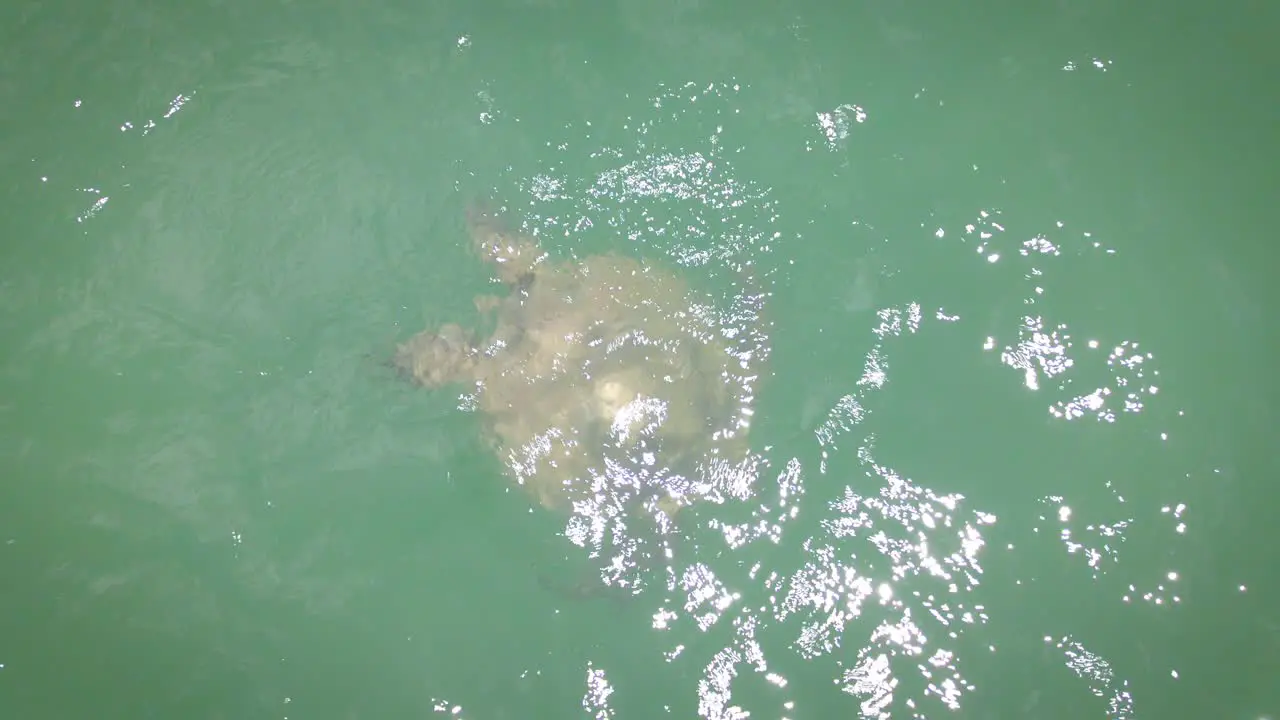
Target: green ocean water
[[1013, 419]]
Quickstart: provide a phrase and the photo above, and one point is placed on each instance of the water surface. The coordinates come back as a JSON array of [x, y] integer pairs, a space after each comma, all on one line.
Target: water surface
[[1011, 397]]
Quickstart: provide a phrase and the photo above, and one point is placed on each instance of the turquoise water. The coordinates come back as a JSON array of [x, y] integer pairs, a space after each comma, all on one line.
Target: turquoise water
[[1012, 419]]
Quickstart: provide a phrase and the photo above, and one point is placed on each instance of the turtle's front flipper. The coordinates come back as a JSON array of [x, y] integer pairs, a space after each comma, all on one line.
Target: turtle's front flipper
[[513, 253]]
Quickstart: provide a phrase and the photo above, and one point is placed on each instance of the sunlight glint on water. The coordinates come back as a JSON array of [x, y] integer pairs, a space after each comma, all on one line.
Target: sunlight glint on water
[[882, 597]]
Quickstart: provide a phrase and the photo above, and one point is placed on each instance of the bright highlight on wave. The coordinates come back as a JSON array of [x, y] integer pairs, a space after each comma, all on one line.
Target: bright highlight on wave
[[836, 563]]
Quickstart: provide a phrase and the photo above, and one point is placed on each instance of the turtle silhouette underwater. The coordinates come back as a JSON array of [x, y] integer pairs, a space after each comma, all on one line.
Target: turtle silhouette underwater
[[605, 379]]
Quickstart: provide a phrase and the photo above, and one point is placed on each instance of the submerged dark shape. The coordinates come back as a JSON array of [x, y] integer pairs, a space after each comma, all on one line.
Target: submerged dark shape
[[604, 378], [583, 588]]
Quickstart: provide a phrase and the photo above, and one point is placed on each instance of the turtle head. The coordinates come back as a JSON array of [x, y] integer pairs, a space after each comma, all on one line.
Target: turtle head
[[438, 358]]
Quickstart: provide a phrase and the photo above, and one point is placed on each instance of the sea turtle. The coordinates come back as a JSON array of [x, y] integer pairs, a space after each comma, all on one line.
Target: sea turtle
[[603, 377]]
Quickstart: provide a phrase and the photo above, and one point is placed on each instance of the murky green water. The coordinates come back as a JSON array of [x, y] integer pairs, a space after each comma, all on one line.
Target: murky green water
[[1011, 401]]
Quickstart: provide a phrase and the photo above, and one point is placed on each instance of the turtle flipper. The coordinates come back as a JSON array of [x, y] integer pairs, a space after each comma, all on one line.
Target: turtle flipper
[[514, 254]]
